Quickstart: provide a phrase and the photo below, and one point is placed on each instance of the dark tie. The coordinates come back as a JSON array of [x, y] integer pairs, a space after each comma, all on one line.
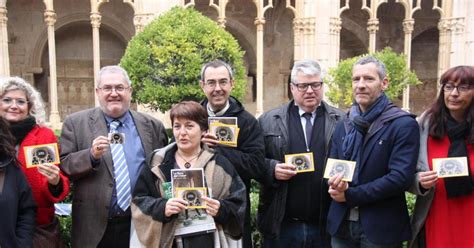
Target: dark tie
[[308, 128], [122, 179]]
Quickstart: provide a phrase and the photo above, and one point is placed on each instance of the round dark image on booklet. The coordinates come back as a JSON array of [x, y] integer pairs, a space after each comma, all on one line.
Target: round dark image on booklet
[[116, 138], [42, 155], [224, 133], [193, 197], [301, 162], [450, 167], [339, 169]]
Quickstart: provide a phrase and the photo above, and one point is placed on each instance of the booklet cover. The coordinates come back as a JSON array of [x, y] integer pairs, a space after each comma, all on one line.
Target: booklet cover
[[41, 154], [303, 161], [189, 185], [225, 129], [335, 167], [451, 167]]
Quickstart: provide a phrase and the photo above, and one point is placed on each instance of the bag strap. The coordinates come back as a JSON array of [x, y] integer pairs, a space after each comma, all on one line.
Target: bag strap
[[2, 179]]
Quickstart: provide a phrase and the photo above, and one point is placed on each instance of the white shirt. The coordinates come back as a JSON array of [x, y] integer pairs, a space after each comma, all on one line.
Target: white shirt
[[303, 123]]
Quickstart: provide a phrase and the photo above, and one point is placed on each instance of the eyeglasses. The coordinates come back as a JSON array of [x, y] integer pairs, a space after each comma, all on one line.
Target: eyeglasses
[[304, 86], [118, 89], [20, 102], [461, 88], [212, 83]]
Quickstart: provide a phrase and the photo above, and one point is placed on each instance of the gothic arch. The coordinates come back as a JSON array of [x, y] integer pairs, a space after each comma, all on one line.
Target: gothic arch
[[115, 27]]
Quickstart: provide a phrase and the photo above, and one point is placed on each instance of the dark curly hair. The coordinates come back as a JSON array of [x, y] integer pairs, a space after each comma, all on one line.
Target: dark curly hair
[[7, 149]]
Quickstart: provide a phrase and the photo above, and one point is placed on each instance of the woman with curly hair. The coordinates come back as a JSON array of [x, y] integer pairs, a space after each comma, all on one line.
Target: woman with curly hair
[[21, 105], [17, 207], [444, 207]]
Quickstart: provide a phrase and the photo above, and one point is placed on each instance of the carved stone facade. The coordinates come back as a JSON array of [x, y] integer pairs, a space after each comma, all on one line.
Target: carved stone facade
[[274, 33]]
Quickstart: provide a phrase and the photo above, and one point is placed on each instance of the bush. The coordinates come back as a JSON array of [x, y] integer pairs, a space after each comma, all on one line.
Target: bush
[[254, 199], [340, 77], [66, 226], [164, 61]]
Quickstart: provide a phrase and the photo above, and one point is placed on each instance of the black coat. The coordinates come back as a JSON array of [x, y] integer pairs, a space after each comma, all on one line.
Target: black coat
[[17, 207]]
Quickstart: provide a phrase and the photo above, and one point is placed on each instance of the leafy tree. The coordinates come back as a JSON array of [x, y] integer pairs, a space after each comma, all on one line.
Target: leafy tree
[[340, 77], [164, 61]]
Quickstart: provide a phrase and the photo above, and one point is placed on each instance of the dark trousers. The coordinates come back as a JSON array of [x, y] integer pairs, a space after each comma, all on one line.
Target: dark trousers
[[117, 233], [297, 234], [351, 235]]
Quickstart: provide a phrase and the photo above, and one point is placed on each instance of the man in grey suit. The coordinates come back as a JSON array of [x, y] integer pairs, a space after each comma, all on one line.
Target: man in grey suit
[[98, 167]]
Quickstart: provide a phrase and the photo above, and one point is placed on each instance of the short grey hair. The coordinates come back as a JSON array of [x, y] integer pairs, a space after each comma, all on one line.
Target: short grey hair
[[215, 64], [35, 102], [381, 69], [306, 66], [112, 69]]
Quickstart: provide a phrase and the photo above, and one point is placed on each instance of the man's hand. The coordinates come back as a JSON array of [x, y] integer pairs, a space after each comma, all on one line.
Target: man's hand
[[427, 179], [99, 146], [337, 188], [284, 171], [209, 139]]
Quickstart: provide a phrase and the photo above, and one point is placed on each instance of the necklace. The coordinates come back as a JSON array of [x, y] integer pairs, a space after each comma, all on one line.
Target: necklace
[[187, 163]]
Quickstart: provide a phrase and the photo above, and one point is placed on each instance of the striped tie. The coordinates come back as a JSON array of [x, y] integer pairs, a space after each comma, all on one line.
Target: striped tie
[[122, 180]]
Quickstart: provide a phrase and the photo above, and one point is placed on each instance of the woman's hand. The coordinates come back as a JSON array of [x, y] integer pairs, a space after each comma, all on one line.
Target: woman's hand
[[212, 206], [51, 172], [427, 179], [175, 206]]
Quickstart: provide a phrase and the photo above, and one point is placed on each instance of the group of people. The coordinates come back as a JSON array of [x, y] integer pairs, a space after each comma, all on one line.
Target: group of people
[[120, 188]]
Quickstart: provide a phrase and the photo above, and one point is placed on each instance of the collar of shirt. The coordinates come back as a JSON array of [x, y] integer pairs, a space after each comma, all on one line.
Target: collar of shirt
[[301, 112], [124, 119], [211, 112]]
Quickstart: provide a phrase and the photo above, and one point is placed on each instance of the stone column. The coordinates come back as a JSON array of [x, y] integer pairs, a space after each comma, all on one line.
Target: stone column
[[443, 50], [221, 19], [335, 37], [259, 22], [309, 46], [372, 27], [408, 26], [4, 56], [54, 118], [95, 22], [298, 38], [458, 51]]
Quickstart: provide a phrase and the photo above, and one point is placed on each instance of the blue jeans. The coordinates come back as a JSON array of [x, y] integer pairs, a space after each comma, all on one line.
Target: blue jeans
[[351, 235], [297, 234]]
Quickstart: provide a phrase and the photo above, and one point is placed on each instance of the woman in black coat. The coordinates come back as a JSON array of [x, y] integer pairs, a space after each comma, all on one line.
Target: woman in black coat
[[17, 206]]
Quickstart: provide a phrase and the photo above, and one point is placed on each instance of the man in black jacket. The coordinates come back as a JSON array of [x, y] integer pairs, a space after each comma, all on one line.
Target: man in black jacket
[[292, 212], [217, 82]]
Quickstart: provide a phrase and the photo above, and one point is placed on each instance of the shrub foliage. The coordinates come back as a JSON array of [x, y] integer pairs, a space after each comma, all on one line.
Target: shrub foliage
[[164, 60], [340, 77]]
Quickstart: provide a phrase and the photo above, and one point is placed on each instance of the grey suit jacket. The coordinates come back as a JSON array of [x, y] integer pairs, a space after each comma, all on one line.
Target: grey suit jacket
[[93, 187]]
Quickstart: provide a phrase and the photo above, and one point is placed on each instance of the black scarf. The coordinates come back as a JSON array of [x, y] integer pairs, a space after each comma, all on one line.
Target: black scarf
[[20, 129], [457, 133], [360, 123]]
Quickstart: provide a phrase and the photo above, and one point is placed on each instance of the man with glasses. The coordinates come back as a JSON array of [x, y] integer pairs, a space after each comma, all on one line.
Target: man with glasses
[[217, 81], [383, 140], [104, 174], [292, 211]]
